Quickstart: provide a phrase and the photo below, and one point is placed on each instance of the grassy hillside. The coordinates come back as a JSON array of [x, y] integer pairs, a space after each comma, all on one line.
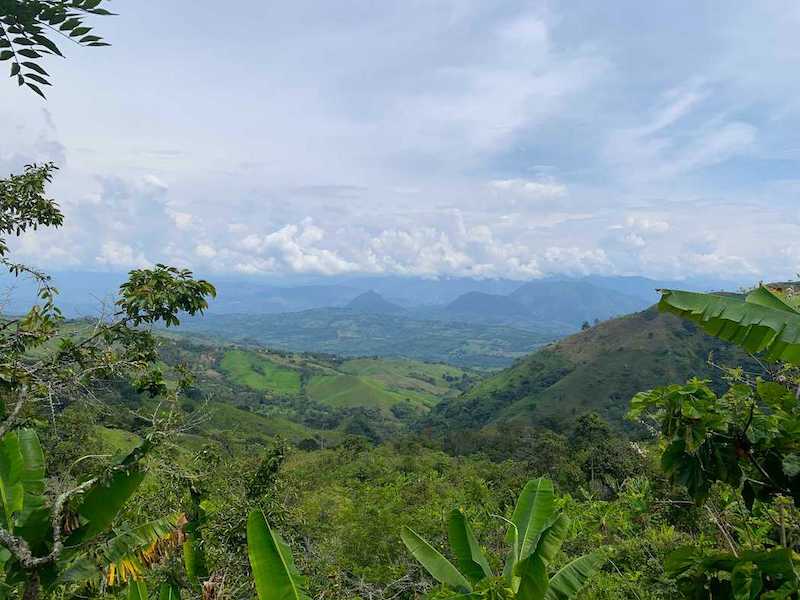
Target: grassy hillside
[[597, 370], [258, 393], [255, 371]]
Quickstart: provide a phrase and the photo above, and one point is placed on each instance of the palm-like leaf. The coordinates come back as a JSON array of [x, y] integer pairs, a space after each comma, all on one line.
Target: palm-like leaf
[[21, 476], [760, 322], [103, 501], [552, 538], [130, 552], [137, 590], [275, 575], [569, 580], [534, 510], [441, 569], [532, 574], [169, 591], [470, 557]]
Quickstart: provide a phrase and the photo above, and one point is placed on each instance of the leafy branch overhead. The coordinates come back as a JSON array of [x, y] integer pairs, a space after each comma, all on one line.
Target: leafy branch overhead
[[28, 29]]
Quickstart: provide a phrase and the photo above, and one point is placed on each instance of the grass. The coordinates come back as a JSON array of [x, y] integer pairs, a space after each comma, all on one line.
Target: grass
[[253, 370], [117, 440], [351, 390]]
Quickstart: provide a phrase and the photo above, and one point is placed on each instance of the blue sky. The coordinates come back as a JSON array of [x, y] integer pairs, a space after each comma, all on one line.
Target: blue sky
[[487, 139]]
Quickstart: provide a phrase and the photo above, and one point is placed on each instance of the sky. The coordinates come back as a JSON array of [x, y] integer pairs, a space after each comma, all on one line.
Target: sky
[[450, 137]]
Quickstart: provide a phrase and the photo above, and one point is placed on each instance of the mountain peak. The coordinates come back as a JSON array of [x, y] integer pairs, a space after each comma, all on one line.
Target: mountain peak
[[373, 302]]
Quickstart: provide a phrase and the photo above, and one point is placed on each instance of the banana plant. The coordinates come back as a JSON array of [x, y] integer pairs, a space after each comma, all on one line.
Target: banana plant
[[43, 541], [762, 321], [535, 534], [274, 572]]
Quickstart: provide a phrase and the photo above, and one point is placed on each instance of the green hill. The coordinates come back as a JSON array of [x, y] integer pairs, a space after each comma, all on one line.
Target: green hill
[[256, 393], [597, 370]]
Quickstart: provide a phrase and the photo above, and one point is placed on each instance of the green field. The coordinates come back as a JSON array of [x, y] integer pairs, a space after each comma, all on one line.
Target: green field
[[253, 370], [350, 390]]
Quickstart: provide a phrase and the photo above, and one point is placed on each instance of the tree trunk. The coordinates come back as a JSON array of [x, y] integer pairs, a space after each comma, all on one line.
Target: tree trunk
[[31, 587]]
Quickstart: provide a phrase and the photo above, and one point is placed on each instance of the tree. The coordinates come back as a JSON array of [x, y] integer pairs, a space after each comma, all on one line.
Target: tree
[[46, 364], [745, 439], [28, 26], [536, 532]]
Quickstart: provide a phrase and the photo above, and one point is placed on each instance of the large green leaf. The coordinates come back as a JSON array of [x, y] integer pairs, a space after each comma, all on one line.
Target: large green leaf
[[11, 490], [22, 486], [746, 581], [275, 575], [569, 580], [169, 591], [137, 590], [552, 538], [759, 322], [533, 512], [103, 501], [533, 582], [438, 566], [470, 557]]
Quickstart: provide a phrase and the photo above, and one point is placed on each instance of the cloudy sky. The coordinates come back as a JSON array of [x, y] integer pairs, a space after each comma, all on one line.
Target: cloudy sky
[[419, 137]]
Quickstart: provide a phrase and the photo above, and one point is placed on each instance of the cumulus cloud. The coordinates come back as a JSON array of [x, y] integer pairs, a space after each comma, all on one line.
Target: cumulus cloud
[[411, 140]]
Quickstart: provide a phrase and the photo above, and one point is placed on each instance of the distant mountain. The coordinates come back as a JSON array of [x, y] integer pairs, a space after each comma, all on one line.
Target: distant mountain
[[573, 301], [597, 370], [350, 333], [374, 303], [562, 303]]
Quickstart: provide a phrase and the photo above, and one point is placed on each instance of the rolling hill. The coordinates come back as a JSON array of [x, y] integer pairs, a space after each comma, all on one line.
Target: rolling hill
[[597, 370], [257, 393]]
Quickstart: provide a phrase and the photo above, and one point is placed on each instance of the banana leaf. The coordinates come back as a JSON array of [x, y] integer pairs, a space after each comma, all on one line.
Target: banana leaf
[[470, 557], [137, 590], [441, 569], [169, 591], [761, 322], [275, 575], [569, 580]]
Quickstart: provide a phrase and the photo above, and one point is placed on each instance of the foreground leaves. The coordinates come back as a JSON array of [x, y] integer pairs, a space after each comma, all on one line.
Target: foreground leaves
[[276, 577], [761, 321]]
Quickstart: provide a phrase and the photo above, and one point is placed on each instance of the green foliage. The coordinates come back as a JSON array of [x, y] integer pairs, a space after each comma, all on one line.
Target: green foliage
[[159, 294], [536, 532], [27, 28], [746, 437], [33, 523], [275, 575], [768, 574], [137, 590]]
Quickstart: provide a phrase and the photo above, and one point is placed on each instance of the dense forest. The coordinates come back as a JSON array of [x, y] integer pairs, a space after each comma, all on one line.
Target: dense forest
[[650, 456]]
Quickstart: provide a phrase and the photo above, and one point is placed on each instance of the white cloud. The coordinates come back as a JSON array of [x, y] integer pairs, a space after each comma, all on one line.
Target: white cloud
[[205, 251], [114, 254], [529, 188]]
